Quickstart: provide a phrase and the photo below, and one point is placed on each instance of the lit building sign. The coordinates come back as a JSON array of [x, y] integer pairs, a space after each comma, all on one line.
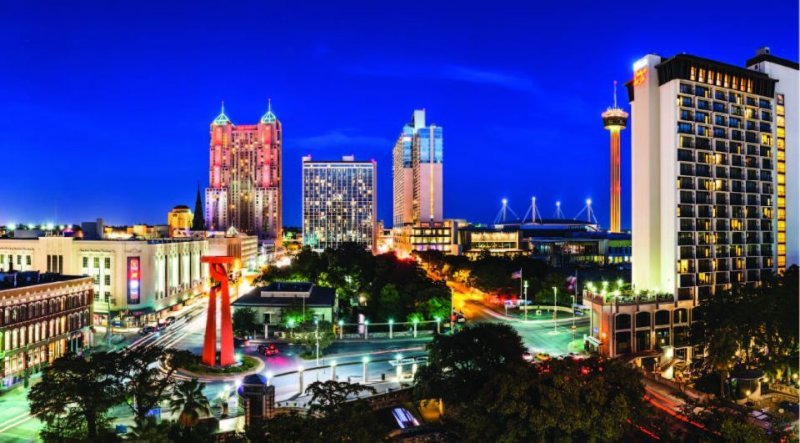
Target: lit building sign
[[134, 279], [639, 76]]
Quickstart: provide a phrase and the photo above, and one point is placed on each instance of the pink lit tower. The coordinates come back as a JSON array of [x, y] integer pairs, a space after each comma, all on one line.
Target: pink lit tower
[[615, 120], [245, 176]]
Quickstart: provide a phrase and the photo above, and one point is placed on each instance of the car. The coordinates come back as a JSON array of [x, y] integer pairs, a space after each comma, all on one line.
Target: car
[[147, 330], [160, 326], [542, 356], [527, 356], [268, 349], [170, 320], [239, 342]]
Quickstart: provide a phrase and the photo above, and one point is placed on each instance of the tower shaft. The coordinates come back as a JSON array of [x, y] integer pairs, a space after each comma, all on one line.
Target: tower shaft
[[616, 212]]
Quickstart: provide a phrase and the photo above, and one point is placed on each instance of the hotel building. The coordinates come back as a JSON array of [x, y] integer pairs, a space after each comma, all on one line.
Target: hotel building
[[339, 202], [245, 177], [417, 173], [136, 279], [42, 317], [711, 146], [712, 203]]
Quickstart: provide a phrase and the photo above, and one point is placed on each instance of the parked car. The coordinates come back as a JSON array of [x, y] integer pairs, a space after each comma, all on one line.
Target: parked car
[[268, 349], [147, 330], [170, 320]]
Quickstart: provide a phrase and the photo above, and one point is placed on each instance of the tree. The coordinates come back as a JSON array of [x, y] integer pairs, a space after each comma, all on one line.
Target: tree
[[458, 363], [148, 430], [147, 385], [741, 431], [188, 399], [78, 391], [329, 396], [244, 321]]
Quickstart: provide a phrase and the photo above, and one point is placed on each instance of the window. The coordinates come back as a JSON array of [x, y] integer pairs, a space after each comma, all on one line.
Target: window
[[85, 262], [107, 280], [28, 260], [97, 262], [108, 262]]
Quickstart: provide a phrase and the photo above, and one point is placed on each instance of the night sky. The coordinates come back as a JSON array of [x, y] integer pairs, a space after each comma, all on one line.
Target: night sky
[[105, 105]]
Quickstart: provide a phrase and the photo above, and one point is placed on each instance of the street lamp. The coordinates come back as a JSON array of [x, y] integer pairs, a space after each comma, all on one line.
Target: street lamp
[[365, 360], [366, 329], [555, 300], [291, 327], [316, 336], [391, 327], [438, 325], [525, 286], [341, 329], [415, 321]]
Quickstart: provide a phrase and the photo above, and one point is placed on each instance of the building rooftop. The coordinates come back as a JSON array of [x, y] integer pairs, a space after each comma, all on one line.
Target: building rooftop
[[279, 294], [16, 279]]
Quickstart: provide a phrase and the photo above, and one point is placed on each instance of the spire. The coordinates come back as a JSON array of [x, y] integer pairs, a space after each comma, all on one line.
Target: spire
[[615, 94], [269, 117], [198, 223], [222, 119]]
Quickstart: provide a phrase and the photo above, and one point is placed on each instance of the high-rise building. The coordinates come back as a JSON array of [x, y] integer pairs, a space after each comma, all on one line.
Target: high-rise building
[[417, 173], [339, 202], [244, 176], [787, 152], [712, 203], [615, 120]]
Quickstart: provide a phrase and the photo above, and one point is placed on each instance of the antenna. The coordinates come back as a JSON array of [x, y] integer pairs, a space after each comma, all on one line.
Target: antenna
[[615, 94]]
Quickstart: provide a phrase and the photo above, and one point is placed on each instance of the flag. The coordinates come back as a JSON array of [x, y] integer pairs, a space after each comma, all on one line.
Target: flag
[[572, 283], [516, 275]]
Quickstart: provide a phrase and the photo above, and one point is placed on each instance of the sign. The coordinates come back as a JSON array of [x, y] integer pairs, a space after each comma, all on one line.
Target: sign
[[639, 76], [134, 280]]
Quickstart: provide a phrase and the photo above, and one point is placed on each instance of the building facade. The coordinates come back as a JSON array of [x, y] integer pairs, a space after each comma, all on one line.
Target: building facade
[[707, 167], [417, 163], [245, 177], [137, 280], [179, 220], [339, 203], [42, 317], [243, 249]]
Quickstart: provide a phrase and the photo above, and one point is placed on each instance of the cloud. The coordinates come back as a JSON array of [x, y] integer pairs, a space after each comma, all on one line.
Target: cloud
[[338, 138], [452, 72]]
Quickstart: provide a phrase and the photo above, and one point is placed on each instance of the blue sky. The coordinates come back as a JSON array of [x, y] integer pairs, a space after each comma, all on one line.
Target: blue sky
[[105, 106]]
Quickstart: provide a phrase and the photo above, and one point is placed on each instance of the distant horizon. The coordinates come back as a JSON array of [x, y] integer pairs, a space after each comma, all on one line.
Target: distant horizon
[[106, 110]]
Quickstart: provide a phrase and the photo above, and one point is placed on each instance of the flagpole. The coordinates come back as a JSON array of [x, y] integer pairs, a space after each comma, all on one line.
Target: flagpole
[[526, 293]]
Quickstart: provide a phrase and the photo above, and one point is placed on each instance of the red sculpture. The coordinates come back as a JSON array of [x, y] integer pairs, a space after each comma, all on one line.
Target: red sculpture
[[218, 272]]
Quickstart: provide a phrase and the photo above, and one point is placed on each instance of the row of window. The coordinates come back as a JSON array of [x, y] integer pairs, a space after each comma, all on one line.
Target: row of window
[[15, 338]]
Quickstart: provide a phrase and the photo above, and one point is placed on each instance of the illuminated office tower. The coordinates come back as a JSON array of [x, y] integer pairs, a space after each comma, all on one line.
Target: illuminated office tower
[[339, 202], [245, 177], [615, 120], [417, 173], [709, 172]]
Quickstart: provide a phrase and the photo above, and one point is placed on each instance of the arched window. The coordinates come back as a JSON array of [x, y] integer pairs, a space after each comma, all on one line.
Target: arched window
[[623, 321], [642, 319], [662, 318]]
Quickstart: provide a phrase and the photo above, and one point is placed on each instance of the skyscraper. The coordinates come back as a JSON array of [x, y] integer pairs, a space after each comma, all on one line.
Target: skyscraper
[[339, 202], [711, 144], [417, 173], [245, 176], [615, 120]]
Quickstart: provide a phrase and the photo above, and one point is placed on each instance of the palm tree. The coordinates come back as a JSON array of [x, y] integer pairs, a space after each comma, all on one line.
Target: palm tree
[[188, 398], [721, 349]]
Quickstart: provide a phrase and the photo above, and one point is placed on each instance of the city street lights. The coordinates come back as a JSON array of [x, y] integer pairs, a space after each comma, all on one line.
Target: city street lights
[[341, 329], [555, 301], [316, 336], [391, 324], [525, 286]]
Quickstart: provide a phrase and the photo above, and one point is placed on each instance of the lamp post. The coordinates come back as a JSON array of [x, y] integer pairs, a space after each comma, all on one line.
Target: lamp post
[[525, 286], [316, 336], [333, 370], [291, 327], [391, 324], [341, 329], [415, 326], [300, 378], [399, 368], [438, 325], [366, 329], [365, 360], [555, 300]]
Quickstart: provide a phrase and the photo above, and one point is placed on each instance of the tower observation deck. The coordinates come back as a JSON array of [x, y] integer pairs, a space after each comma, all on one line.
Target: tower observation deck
[[615, 120]]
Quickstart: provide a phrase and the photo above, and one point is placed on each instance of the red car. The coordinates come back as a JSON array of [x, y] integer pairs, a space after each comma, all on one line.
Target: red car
[[268, 349]]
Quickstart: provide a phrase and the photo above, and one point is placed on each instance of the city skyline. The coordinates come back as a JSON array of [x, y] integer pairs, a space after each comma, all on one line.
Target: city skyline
[[543, 100]]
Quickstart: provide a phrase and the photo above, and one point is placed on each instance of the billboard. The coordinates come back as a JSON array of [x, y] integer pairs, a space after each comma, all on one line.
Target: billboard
[[134, 280]]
